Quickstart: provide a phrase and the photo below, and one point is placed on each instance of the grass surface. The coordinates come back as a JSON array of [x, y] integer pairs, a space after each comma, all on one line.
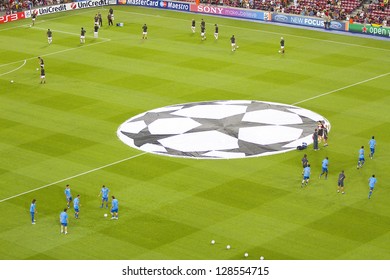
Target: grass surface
[[64, 132]]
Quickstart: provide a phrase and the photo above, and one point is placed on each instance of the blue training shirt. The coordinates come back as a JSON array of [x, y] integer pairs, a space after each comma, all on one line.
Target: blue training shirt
[[361, 153], [32, 208], [306, 171], [63, 217], [325, 163], [372, 182], [114, 203], [105, 192], [67, 192], [372, 143], [76, 202]]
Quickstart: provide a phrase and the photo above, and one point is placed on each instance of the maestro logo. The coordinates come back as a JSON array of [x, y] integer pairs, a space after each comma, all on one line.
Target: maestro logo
[[220, 129], [163, 4], [281, 18]]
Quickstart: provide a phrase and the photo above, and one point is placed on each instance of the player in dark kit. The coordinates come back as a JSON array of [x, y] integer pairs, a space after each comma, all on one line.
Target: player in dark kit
[[96, 20], [193, 26], [109, 17], [49, 36], [202, 23], [96, 31], [100, 20], [82, 36], [233, 43], [111, 12], [41, 63], [43, 77], [281, 45], [216, 32], [33, 17], [144, 32], [202, 32]]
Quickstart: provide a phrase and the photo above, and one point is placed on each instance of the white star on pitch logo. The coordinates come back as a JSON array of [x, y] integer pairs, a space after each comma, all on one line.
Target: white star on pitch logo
[[221, 129]]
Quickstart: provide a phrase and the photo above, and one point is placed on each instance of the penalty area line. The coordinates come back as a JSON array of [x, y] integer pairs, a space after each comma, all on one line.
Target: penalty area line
[[74, 176], [24, 63]]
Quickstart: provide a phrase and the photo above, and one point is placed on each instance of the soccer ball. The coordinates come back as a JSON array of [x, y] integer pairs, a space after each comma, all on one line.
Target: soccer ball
[[246, 255], [105, 215], [238, 47], [228, 247], [212, 242], [12, 81], [37, 69], [261, 258]]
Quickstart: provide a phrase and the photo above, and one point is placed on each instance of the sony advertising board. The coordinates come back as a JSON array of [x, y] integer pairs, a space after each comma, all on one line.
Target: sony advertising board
[[307, 21], [230, 12]]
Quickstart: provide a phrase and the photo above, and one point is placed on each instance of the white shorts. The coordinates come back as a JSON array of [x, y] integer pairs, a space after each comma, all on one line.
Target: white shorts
[[202, 34], [43, 76], [95, 34], [82, 37], [233, 44], [144, 33], [282, 47]]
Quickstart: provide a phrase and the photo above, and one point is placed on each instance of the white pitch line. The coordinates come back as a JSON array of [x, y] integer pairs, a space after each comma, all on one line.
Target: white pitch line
[[53, 53], [72, 177], [342, 88], [24, 63]]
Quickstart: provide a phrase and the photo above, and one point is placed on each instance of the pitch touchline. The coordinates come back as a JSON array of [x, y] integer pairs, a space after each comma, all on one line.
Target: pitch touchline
[[24, 63], [71, 177], [336, 90]]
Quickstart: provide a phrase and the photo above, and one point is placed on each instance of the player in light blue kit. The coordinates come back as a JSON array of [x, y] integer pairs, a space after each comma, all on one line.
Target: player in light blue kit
[[64, 221], [68, 195], [325, 163], [104, 192], [76, 206], [371, 184], [372, 144], [306, 176], [33, 210], [361, 158], [114, 208]]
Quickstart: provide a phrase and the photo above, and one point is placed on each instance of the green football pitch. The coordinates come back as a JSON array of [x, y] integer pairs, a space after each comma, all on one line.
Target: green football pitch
[[64, 132]]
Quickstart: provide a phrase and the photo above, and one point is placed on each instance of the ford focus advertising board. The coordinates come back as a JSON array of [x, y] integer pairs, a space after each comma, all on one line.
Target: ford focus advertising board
[[307, 21]]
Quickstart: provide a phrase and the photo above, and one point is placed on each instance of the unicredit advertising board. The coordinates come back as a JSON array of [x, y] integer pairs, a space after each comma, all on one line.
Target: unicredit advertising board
[[307, 21], [230, 12], [170, 5], [67, 7]]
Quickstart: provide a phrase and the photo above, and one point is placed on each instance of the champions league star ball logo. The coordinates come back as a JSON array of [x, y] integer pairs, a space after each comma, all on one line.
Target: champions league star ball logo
[[221, 129]]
